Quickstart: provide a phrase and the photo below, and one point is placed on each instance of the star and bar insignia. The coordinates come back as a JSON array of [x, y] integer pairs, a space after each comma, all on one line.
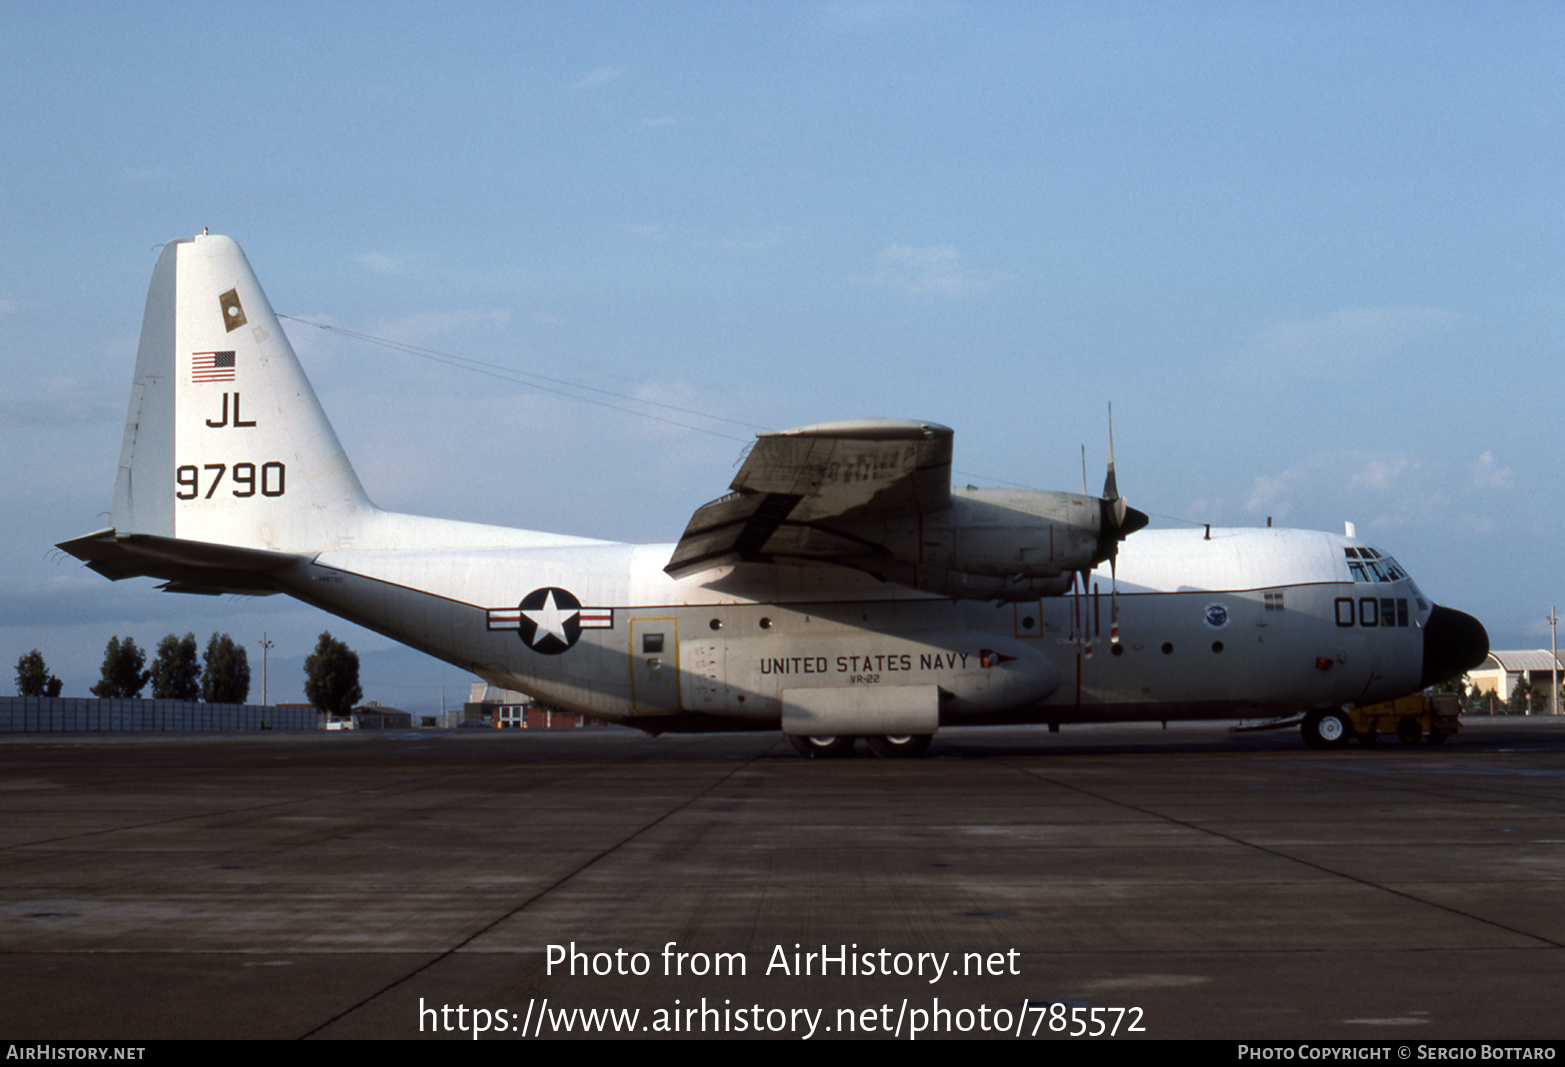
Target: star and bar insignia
[[550, 620]]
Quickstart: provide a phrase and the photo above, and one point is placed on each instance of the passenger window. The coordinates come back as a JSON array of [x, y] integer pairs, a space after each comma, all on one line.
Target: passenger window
[[651, 643]]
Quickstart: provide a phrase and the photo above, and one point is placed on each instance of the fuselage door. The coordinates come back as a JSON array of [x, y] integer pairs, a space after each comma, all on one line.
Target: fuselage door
[[654, 665]]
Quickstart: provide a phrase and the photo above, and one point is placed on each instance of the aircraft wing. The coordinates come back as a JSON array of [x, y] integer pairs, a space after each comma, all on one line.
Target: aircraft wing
[[797, 488]]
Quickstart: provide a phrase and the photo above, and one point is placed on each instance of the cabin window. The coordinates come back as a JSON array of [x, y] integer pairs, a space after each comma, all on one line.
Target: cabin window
[[1368, 565], [651, 644]]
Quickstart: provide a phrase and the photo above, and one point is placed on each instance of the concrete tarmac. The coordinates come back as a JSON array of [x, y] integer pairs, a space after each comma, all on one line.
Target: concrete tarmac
[[1190, 882]]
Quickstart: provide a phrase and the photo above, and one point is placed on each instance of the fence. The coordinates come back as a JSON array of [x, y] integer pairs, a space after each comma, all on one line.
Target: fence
[[41, 715]]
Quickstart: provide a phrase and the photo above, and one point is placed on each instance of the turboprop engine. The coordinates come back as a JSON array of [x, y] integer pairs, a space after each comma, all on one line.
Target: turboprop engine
[[1005, 543], [875, 495]]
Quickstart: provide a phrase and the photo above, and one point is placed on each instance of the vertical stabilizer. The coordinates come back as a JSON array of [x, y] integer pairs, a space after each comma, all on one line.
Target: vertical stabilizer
[[225, 441]]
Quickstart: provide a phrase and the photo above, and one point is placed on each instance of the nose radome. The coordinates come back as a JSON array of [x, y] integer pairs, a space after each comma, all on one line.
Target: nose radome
[[1453, 642]]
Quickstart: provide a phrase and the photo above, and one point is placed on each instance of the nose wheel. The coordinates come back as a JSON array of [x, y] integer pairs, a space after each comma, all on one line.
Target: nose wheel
[[1327, 729]]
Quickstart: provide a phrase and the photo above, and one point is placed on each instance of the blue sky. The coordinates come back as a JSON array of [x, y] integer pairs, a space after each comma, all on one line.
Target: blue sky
[[1310, 252]]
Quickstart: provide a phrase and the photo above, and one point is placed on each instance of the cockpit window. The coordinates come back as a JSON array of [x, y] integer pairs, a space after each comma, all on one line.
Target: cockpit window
[[1367, 565]]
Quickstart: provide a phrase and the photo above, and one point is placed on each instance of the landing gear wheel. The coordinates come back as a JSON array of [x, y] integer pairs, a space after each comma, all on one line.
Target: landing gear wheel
[[1409, 731], [822, 747], [904, 746], [1327, 729]]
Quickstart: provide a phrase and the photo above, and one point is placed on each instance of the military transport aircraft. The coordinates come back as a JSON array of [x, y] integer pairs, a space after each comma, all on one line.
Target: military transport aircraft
[[842, 589]]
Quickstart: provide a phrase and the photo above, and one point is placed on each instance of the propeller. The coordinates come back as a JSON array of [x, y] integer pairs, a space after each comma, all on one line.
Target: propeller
[[1119, 521]]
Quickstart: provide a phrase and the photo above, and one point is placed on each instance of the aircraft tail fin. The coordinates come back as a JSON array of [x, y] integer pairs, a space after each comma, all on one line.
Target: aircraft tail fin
[[225, 441]]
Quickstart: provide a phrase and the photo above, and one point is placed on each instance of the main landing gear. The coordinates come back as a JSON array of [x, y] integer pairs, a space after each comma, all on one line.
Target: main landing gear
[[907, 746], [904, 746], [822, 747]]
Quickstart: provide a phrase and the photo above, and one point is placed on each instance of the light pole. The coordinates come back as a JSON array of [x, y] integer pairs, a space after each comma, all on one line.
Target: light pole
[[1554, 666], [265, 646]]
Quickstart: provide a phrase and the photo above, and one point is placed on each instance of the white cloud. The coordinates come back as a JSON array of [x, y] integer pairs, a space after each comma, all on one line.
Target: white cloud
[[36, 411], [145, 174], [381, 263], [744, 241], [426, 325], [1377, 491], [601, 76], [869, 14], [1488, 474], [935, 270], [647, 229], [1342, 342], [754, 241], [1378, 473]]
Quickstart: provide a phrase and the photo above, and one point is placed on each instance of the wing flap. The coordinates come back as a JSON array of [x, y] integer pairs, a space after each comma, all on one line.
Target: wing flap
[[866, 468], [795, 480]]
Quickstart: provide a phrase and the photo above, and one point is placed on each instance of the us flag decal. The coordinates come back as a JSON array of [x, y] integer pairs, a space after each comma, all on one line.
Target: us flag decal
[[212, 366]]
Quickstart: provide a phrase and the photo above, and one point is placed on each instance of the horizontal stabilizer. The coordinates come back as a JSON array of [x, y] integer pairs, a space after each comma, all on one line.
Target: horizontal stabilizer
[[187, 566]]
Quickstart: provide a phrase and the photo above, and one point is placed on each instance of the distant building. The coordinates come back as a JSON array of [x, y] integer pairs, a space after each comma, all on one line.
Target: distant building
[[506, 709], [1502, 672], [374, 717]]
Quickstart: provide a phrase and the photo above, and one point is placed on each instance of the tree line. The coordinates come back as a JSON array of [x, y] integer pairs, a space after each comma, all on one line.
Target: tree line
[[175, 674], [331, 673]]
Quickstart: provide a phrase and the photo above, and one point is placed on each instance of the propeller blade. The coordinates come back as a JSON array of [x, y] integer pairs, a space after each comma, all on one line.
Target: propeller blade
[[1118, 519], [1110, 485]]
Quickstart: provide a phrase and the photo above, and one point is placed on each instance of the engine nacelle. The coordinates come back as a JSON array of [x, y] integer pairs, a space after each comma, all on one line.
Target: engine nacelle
[[1009, 544], [1005, 533]]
